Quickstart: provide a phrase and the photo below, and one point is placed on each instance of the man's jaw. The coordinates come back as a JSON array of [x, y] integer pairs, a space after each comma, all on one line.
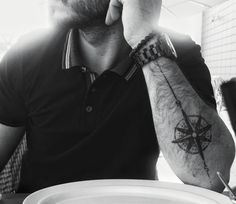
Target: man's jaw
[[81, 15]]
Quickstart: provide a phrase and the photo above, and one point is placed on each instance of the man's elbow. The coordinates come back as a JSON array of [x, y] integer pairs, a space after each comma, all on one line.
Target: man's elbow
[[221, 161], [212, 183], [210, 180], [215, 184]]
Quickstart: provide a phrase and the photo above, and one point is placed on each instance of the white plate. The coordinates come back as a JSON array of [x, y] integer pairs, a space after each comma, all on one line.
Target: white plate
[[125, 192]]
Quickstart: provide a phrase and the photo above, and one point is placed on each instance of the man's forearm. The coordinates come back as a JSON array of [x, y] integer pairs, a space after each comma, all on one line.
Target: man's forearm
[[192, 137]]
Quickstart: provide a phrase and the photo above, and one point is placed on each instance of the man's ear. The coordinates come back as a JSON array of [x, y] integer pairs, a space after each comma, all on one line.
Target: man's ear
[[114, 12]]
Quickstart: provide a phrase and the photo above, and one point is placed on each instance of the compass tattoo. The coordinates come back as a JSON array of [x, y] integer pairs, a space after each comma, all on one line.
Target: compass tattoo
[[193, 135], [187, 137], [193, 132]]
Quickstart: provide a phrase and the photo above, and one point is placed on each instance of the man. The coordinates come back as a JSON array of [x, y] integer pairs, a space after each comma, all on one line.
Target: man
[[87, 103]]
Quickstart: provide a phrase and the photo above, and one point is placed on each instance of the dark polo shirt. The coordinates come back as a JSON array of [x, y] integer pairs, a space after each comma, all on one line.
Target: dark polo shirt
[[79, 125]]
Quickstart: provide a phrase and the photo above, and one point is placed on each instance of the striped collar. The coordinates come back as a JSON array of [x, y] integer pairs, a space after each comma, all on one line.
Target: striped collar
[[126, 68]]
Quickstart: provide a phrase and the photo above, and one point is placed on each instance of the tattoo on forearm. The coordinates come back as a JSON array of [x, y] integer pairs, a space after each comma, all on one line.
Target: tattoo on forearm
[[194, 139], [193, 132]]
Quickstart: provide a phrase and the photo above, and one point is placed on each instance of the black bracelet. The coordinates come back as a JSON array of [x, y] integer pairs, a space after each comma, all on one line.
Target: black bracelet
[[152, 47], [141, 44]]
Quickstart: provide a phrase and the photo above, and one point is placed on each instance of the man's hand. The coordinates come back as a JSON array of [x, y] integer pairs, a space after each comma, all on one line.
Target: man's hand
[[139, 17]]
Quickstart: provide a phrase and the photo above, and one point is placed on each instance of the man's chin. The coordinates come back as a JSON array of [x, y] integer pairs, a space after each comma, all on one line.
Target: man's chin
[[64, 21], [79, 14]]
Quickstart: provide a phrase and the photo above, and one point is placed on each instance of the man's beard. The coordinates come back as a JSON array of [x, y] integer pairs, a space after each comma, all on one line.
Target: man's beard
[[78, 13]]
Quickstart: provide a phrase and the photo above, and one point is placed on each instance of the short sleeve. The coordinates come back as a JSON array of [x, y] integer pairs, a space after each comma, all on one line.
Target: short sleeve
[[193, 67], [12, 108]]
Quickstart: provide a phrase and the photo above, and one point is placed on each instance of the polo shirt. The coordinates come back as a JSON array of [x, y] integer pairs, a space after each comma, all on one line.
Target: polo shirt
[[79, 125]]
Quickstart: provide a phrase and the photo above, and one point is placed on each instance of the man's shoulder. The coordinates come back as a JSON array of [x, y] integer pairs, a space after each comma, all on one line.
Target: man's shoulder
[[193, 66], [34, 51], [37, 41], [34, 45]]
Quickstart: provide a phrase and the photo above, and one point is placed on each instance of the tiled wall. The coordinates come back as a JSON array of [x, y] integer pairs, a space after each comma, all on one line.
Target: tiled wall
[[219, 39]]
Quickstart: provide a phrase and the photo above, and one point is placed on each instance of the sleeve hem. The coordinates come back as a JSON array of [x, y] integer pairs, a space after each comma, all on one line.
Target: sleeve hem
[[11, 124]]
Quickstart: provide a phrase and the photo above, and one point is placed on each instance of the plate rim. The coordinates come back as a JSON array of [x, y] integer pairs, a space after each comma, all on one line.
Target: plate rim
[[214, 196]]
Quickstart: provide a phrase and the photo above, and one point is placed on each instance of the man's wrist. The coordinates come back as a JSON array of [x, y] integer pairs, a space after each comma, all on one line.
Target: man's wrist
[[137, 37]]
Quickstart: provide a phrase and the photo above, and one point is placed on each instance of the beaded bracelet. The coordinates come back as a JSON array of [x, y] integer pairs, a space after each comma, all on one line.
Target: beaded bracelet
[[141, 44], [152, 47]]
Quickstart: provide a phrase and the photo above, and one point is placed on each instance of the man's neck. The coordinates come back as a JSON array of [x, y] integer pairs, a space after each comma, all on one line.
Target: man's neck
[[102, 47]]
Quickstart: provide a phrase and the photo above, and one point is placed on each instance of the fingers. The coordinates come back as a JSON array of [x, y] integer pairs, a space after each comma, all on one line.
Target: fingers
[[114, 12]]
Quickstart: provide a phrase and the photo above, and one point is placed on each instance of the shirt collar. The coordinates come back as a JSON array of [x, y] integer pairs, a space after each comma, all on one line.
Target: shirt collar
[[126, 68], [70, 52]]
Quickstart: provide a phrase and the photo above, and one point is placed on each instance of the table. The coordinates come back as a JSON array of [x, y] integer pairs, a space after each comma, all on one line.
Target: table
[[13, 198]]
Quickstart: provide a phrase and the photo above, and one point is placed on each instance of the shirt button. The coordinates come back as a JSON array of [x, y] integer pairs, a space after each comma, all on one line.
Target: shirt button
[[84, 69], [89, 109], [93, 90]]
